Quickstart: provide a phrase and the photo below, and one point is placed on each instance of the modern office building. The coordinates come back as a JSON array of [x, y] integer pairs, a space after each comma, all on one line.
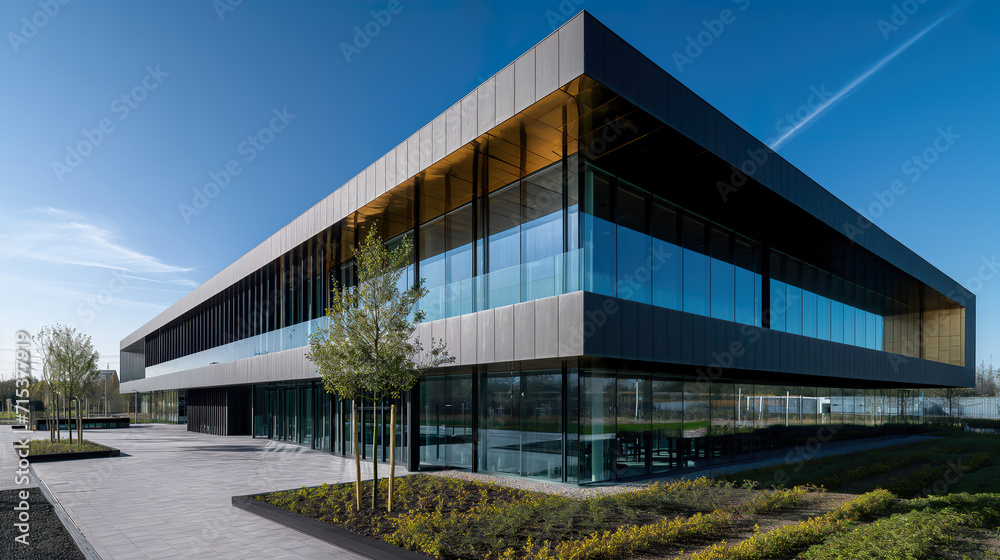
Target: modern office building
[[629, 281]]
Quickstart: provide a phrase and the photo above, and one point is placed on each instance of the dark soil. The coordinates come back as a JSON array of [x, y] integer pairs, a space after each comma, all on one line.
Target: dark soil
[[47, 538], [377, 522]]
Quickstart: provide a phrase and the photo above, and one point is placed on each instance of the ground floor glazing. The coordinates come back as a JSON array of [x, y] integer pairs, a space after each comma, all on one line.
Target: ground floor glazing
[[578, 425]]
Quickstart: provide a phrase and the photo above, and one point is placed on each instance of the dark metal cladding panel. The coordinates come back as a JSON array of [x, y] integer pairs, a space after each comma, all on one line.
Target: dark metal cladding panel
[[647, 87], [613, 331], [630, 73], [613, 45], [674, 102], [593, 49], [661, 350], [644, 332], [628, 330], [660, 93], [687, 335], [674, 346], [593, 324]]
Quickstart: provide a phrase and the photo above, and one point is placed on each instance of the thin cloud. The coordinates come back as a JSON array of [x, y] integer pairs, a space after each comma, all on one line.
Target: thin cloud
[[60, 237], [857, 82]]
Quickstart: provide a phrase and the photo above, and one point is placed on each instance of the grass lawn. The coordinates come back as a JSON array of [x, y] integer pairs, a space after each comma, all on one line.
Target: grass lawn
[[45, 447], [934, 499]]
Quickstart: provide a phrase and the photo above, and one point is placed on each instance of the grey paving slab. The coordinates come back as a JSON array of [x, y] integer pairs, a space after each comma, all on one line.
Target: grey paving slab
[[169, 495]]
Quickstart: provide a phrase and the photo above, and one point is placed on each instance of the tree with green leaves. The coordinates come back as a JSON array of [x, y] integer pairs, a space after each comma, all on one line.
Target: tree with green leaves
[[366, 347], [70, 366]]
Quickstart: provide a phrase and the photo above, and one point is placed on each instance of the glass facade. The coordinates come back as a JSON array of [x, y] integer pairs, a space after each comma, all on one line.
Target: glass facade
[[582, 425], [567, 227], [160, 406], [293, 412], [639, 247]]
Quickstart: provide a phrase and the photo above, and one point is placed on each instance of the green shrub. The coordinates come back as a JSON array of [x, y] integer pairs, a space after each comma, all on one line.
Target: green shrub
[[789, 540], [930, 526]]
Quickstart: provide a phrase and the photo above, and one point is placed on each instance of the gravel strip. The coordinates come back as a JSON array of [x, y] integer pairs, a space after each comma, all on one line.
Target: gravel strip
[[568, 490], [47, 538]]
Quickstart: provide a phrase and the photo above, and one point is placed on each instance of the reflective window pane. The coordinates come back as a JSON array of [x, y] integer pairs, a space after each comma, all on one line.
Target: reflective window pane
[[823, 317], [667, 271], [697, 271], [809, 306], [723, 294], [746, 296], [779, 303]]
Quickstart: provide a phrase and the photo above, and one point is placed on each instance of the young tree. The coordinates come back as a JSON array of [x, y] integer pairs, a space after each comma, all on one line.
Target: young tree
[[70, 362], [366, 347]]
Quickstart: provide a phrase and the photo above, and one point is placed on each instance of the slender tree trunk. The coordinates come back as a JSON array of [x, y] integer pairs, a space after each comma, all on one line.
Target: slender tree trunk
[[392, 451], [79, 422], [53, 414], [375, 427], [49, 407], [357, 457], [68, 406]]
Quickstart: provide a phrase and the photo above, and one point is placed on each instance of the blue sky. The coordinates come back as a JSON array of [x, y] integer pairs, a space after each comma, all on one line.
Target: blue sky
[[162, 94]]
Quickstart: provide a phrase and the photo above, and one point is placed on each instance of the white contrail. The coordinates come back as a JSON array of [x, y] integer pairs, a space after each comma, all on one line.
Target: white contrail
[[849, 88]]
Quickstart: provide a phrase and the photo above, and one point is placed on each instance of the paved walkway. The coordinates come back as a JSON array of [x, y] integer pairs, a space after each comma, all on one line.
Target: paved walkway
[[171, 496]]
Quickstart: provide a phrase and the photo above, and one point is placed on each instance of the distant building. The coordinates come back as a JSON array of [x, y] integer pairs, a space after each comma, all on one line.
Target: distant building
[[630, 282]]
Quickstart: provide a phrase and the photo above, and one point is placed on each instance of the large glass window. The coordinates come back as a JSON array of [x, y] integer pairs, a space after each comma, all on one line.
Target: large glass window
[[779, 303], [504, 250], [446, 420], [849, 328], [458, 262], [809, 313], [542, 234], [668, 422], [666, 258], [836, 321], [793, 312], [433, 268], [697, 273], [723, 290], [634, 246], [823, 318], [599, 236], [597, 427], [634, 405]]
